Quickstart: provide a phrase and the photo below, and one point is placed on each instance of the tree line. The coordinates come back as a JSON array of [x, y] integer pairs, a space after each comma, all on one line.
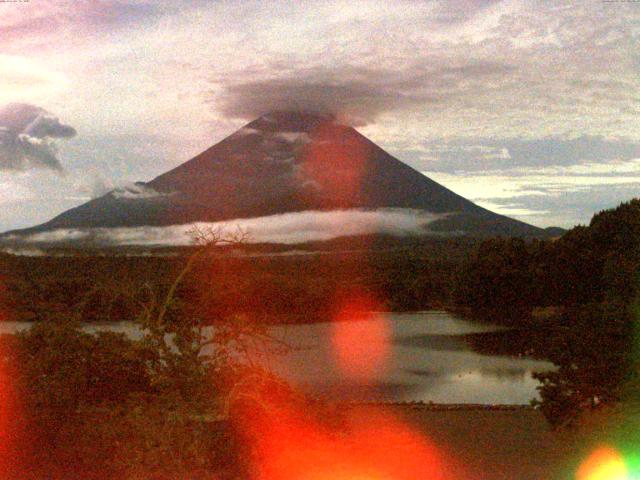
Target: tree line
[[589, 281]]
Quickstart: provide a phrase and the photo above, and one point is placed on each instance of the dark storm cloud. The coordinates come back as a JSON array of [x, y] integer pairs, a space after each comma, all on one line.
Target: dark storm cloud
[[355, 95], [27, 137], [354, 101]]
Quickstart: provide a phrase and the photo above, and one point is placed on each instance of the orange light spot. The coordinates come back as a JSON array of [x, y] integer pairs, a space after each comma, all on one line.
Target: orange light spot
[[373, 446], [604, 463], [361, 338]]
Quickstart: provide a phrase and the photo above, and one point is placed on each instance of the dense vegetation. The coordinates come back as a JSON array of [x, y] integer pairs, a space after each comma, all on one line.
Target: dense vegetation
[[106, 407], [103, 406], [586, 283], [273, 288]]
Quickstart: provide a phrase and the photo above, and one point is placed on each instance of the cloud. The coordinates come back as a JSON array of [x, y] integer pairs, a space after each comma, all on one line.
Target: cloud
[[27, 137], [482, 154], [351, 101], [12, 192], [354, 95], [21, 77], [34, 27], [548, 196], [294, 137], [565, 208], [288, 228], [137, 190], [459, 11], [97, 186], [448, 68]]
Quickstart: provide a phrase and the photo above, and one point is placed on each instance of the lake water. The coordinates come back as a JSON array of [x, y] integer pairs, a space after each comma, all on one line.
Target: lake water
[[428, 360]]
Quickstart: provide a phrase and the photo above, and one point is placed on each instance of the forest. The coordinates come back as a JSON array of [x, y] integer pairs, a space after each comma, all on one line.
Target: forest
[[573, 301], [275, 287]]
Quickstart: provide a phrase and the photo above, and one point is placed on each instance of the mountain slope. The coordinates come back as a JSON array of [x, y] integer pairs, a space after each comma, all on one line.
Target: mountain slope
[[285, 162]]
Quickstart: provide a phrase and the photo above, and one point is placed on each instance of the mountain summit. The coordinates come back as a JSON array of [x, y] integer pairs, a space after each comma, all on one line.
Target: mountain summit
[[285, 162]]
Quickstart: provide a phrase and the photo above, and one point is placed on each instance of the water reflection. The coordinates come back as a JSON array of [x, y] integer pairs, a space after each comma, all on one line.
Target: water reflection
[[433, 357]]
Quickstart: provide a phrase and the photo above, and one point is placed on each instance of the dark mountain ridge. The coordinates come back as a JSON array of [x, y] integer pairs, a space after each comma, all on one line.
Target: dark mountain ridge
[[280, 163]]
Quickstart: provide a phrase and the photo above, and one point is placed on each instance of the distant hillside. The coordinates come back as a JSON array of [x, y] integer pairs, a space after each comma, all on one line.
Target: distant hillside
[[555, 231]]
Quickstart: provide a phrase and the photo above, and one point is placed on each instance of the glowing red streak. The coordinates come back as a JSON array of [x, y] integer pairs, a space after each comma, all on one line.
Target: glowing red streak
[[5, 394], [8, 413], [360, 338], [11, 421], [373, 446], [3, 293], [290, 443], [336, 162]]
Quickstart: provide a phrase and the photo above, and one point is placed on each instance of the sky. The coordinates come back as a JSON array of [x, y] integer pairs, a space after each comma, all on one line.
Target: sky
[[529, 108]]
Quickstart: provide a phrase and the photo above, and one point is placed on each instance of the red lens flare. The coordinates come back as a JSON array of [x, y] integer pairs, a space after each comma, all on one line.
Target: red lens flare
[[14, 444], [361, 338], [9, 410], [336, 162], [6, 395], [604, 463], [3, 298], [289, 445]]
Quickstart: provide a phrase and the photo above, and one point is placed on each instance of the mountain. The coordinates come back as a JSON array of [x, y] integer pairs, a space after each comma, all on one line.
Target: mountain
[[286, 162], [555, 232]]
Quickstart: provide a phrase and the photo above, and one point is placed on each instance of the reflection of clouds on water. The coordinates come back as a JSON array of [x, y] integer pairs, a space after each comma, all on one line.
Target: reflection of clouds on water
[[431, 360], [434, 342], [510, 374], [421, 372], [436, 322], [377, 392], [478, 387]]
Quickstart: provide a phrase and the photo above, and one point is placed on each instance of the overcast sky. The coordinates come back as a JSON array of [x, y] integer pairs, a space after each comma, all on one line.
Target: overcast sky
[[529, 108]]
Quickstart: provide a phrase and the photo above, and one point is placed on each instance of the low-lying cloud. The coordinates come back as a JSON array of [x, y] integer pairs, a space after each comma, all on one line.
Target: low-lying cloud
[[27, 137], [137, 190], [288, 228]]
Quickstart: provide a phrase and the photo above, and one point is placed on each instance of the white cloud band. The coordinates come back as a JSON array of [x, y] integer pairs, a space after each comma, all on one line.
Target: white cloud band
[[288, 228]]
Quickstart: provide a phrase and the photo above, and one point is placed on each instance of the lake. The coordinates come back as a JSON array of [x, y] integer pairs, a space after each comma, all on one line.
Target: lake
[[428, 359]]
